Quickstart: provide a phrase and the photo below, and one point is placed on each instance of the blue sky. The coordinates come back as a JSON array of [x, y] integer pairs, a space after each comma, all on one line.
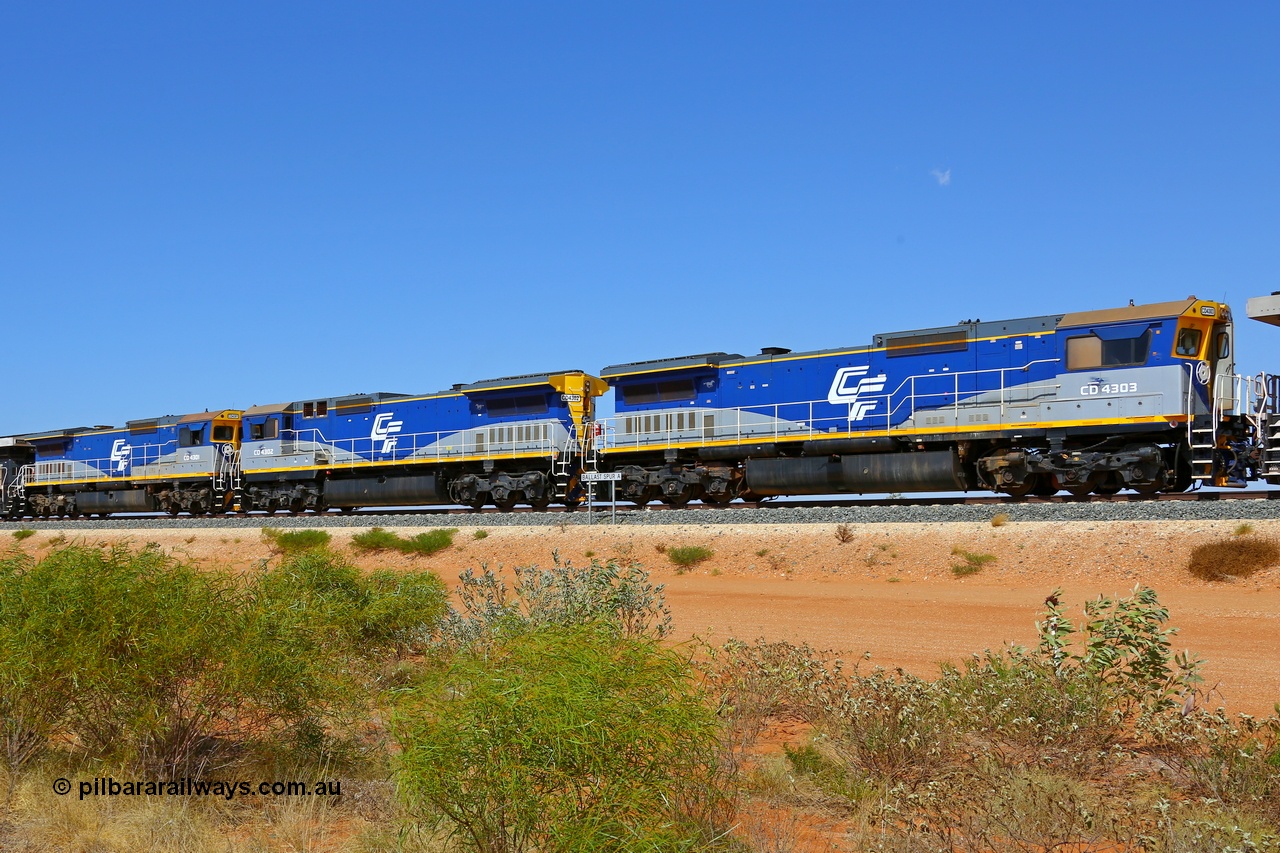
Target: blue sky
[[233, 204]]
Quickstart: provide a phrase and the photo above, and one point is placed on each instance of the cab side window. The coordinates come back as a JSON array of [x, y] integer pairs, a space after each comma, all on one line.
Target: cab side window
[[1188, 343], [269, 428], [1090, 352]]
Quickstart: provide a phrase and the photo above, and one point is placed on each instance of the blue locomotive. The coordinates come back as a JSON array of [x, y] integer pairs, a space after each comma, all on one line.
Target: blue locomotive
[[171, 464], [503, 441], [1139, 397], [507, 441]]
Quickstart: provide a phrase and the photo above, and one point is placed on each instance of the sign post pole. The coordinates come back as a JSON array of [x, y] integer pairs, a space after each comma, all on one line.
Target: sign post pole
[[610, 477]]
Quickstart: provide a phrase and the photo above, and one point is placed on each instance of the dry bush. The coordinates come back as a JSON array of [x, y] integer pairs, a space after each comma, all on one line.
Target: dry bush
[[1000, 519], [1233, 558], [844, 534], [43, 822]]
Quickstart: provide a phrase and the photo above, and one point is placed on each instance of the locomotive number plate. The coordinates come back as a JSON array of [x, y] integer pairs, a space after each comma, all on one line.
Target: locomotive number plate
[[1109, 388]]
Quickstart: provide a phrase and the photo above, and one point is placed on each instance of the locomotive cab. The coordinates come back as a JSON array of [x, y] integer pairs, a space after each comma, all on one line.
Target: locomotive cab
[[1203, 335]]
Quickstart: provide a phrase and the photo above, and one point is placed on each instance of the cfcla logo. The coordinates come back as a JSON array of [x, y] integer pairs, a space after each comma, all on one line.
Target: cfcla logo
[[120, 455], [385, 429], [851, 385]]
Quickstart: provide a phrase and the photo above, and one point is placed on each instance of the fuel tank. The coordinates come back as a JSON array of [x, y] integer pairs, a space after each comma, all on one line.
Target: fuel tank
[[119, 500], [383, 491], [931, 471]]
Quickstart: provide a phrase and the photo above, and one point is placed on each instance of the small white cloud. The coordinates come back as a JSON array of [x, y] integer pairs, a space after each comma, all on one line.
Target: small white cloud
[[943, 178]]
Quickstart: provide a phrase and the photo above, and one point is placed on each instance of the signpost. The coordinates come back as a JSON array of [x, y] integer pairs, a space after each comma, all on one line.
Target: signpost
[[610, 477]]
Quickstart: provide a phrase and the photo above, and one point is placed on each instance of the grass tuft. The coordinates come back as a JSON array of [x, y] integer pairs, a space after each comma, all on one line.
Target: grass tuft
[[429, 542], [1244, 528], [688, 555], [294, 541], [972, 564], [1000, 519], [480, 534], [23, 534], [844, 534], [375, 539]]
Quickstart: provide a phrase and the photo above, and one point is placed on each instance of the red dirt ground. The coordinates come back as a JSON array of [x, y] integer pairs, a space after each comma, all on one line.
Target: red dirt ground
[[888, 591]]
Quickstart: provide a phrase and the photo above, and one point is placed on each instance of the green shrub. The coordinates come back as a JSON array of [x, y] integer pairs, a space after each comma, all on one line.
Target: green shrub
[[480, 534], [353, 614], [1218, 757], [23, 534], [426, 543], [1018, 702], [137, 657], [1124, 643], [294, 541], [562, 738], [620, 598], [689, 555], [376, 539], [403, 609], [429, 542]]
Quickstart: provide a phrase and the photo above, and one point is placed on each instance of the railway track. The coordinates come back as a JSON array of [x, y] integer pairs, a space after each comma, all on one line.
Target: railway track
[[698, 508]]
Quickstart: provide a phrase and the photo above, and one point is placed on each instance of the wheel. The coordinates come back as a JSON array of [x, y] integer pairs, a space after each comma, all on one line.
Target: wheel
[[1110, 485], [646, 497], [539, 504], [1047, 487], [722, 499], [347, 510], [506, 504], [1156, 485], [679, 499], [1021, 490], [1183, 478]]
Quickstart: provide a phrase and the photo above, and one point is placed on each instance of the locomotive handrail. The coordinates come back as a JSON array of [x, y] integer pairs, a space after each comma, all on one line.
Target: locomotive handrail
[[736, 431], [810, 428], [20, 480], [407, 446], [101, 468]]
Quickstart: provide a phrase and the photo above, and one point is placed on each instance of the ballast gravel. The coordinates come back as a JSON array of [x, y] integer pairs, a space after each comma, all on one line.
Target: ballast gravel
[[1260, 508]]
